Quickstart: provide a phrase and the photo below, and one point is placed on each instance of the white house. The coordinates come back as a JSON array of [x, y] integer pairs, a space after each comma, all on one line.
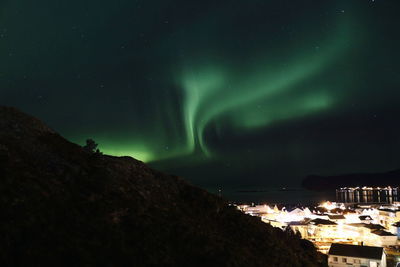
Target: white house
[[366, 219], [320, 229], [337, 218], [383, 238], [387, 217], [395, 229], [341, 255]]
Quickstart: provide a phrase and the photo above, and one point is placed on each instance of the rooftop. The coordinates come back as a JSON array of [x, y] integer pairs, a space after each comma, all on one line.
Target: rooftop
[[294, 223], [365, 252], [382, 233], [365, 217], [323, 222], [336, 217], [374, 226]]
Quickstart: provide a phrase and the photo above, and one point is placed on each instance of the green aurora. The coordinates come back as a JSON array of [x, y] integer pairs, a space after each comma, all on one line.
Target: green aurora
[[248, 97]]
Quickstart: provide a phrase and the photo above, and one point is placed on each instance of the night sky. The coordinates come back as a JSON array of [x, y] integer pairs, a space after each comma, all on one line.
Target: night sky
[[224, 93]]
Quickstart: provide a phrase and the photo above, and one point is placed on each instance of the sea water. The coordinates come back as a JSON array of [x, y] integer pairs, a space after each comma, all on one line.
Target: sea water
[[281, 195]]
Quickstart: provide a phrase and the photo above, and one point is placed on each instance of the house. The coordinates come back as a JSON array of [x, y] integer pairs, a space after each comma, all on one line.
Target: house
[[320, 221], [383, 238], [365, 219], [387, 217], [395, 229], [321, 229], [374, 227], [341, 255], [337, 218]]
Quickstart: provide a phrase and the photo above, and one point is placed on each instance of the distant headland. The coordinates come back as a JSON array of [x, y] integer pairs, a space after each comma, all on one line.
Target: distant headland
[[323, 183]]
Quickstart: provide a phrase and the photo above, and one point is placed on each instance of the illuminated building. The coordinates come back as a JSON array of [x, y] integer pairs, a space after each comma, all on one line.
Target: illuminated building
[[382, 238], [368, 194], [395, 229], [388, 217], [341, 255]]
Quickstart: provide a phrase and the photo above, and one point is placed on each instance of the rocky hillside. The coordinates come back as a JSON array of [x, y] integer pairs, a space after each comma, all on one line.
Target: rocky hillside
[[63, 206]]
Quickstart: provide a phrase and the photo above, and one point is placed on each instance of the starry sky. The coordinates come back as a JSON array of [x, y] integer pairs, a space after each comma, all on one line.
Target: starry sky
[[224, 93]]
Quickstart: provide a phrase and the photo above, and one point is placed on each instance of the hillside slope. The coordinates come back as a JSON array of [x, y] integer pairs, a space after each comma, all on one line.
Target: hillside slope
[[62, 206]]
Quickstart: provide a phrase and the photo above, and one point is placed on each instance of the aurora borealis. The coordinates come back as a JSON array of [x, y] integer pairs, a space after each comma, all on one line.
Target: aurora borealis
[[221, 92]]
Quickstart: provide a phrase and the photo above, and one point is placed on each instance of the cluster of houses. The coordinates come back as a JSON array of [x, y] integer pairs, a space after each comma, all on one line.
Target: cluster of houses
[[358, 235]]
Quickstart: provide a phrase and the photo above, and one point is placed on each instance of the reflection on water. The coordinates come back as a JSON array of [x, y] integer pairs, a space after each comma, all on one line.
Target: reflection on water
[[367, 194]]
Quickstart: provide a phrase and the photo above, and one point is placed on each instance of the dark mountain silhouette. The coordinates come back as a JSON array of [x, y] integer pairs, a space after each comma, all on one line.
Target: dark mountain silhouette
[[316, 182], [64, 206]]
